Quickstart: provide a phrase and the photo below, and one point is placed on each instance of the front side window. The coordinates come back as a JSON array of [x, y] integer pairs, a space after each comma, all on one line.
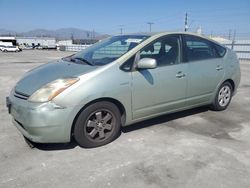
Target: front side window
[[199, 49], [108, 50], [166, 50]]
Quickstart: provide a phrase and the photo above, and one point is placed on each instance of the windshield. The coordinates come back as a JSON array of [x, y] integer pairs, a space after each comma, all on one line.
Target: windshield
[[108, 50]]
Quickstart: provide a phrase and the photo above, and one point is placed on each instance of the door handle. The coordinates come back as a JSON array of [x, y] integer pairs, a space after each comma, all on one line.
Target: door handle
[[180, 75], [218, 68]]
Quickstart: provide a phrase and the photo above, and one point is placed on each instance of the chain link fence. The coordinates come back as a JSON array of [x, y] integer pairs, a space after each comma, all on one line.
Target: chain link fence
[[241, 47], [240, 44]]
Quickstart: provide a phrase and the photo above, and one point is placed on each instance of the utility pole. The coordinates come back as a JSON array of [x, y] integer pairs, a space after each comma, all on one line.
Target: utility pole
[[233, 41], [186, 22], [93, 34], [150, 26], [229, 34], [121, 29], [211, 34]]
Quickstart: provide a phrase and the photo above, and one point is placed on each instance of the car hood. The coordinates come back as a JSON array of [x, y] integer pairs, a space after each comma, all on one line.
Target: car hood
[[42, 75]]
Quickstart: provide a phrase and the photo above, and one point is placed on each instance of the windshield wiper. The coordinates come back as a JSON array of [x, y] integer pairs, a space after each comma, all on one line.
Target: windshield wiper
[[82, 60], [74, 59]]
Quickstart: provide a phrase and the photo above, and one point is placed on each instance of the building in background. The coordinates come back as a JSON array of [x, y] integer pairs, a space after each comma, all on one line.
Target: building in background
[[64, 42], [36, 41]]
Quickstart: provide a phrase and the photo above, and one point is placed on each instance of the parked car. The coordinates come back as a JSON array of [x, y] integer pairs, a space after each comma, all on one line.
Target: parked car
[[119, 81], [27, 47], [10, 49], [38, 47], [20, 48], [1, 47], [49, 47]]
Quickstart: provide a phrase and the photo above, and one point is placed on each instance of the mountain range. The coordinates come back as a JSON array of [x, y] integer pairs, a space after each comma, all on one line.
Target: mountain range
[[63, 33]]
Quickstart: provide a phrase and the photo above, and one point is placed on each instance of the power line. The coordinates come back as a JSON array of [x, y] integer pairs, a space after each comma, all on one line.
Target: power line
[[221, 16]]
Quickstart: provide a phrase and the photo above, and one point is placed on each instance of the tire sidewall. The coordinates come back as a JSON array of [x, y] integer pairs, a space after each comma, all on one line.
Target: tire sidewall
[[81, 124]]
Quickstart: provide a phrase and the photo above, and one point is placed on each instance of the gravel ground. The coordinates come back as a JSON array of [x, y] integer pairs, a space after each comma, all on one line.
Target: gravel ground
[[194, 148]]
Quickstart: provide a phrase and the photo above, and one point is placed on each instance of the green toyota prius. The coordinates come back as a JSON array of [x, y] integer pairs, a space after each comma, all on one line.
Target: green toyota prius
[[119, 81]]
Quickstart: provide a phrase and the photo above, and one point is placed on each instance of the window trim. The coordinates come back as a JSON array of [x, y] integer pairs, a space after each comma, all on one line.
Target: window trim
[[131, 66]]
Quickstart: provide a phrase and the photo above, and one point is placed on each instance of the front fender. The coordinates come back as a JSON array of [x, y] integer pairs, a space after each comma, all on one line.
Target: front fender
[[107, 82]]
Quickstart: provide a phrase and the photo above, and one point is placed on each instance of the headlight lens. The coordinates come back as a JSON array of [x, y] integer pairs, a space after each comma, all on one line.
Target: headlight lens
[[52, 89]]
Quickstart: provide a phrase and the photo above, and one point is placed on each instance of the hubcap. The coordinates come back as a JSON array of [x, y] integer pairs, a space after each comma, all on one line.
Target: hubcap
[[99, 125], [224, 95]]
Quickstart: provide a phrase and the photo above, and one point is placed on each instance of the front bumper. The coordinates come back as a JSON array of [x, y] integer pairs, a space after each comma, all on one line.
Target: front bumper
[[42, 122]]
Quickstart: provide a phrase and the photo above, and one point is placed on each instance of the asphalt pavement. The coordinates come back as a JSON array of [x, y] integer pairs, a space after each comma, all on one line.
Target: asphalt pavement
[[194, 148]]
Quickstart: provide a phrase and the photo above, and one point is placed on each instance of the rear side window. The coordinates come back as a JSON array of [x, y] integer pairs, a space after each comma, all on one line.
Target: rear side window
[[199, 49]]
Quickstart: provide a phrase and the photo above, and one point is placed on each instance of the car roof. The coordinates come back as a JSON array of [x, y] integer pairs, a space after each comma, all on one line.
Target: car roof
[[159, 34]]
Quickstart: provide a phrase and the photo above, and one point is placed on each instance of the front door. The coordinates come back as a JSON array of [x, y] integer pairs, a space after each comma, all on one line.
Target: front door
[[163, 89]]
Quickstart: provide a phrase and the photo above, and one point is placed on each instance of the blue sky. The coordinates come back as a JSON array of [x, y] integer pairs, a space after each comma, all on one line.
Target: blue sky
[[216, 16]]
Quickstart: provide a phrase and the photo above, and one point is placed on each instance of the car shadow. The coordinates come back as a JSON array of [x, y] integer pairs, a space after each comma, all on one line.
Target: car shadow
[[147, 75], [164, 119], [133, 127], [55, 146]]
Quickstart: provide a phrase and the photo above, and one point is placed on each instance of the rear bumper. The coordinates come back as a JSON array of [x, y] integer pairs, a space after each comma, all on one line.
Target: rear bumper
[[42, 122]]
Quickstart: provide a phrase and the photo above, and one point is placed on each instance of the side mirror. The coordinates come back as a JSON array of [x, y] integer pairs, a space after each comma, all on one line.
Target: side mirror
[[147, 63]]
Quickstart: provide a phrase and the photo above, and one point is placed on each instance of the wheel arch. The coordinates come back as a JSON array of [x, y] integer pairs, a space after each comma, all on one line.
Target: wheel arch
[[119, 105], [231, 82]]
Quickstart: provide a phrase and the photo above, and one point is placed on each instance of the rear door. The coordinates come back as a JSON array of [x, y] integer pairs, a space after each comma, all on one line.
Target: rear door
[[205, 69]]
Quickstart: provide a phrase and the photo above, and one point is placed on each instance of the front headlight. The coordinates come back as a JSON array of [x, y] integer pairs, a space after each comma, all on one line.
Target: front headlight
[[52, 89]]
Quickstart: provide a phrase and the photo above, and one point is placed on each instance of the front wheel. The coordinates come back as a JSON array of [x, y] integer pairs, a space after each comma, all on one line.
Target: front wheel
[[97, 125], [223, 97]]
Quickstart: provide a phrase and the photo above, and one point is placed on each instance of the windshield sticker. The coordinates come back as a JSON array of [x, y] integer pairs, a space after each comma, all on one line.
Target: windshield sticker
[[133, 40]]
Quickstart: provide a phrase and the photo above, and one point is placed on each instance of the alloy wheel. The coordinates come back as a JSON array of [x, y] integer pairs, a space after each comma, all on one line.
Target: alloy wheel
[[224, 95], [99, 125]]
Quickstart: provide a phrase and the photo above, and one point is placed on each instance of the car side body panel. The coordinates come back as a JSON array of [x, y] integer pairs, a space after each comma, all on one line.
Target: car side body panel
[[203, 79], [158, 90]]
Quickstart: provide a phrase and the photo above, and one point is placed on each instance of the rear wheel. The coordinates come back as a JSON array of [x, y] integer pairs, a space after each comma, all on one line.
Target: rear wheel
[[223, 97], [97, 125]]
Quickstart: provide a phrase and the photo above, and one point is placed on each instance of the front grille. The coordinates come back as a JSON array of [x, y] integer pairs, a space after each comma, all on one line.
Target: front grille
[[21, 95]]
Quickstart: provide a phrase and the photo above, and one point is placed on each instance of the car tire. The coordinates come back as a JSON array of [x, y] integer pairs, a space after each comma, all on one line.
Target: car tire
[[223, 97], [98, 124]]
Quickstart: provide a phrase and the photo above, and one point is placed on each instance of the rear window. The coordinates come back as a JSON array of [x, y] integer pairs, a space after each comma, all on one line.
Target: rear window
[[199, 49], [220, 50]]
